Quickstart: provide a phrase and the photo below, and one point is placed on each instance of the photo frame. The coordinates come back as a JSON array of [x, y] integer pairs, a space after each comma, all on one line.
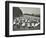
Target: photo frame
[[24, 18]]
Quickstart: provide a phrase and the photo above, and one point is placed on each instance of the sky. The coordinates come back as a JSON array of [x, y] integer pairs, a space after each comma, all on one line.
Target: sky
[[30, 10]]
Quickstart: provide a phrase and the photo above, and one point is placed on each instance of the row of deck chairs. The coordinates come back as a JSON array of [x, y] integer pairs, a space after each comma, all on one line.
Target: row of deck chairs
[[26, 22]]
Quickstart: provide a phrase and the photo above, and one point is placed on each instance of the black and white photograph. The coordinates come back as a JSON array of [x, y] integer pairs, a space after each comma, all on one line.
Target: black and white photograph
[[24, 18]]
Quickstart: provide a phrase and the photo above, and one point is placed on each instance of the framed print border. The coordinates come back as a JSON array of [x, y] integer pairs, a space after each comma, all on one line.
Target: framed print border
[[7, 18]]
